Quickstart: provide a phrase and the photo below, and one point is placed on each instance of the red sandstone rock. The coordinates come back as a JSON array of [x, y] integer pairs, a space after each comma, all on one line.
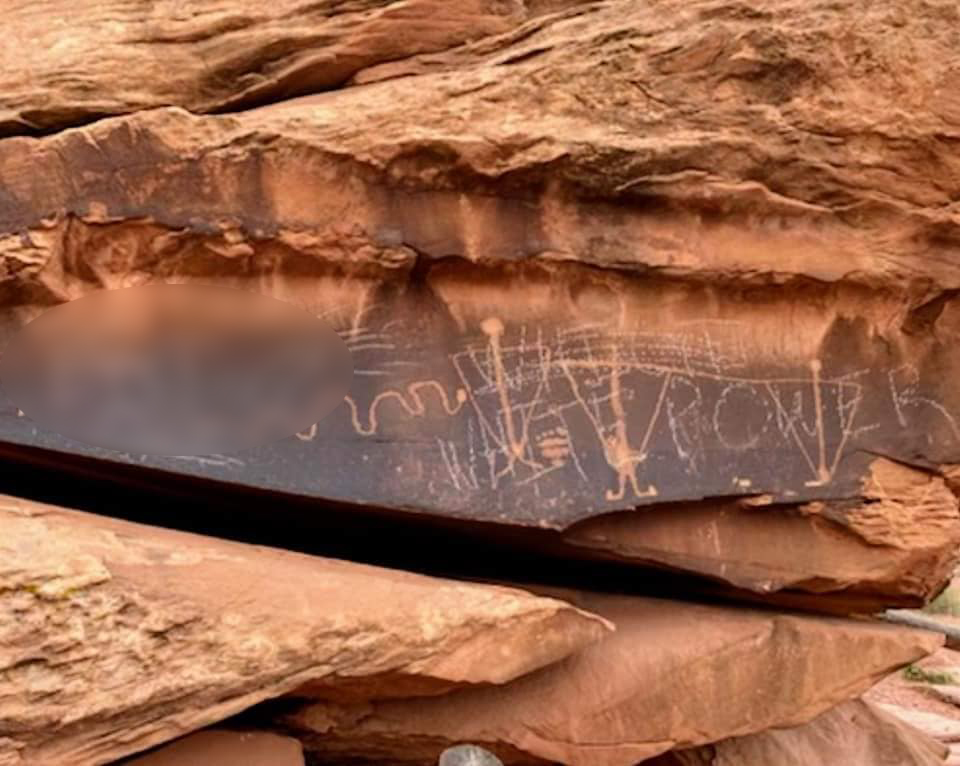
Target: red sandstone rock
[[755, 143], [899, 544], [591, 256], [672, 675], [855, 733], [225, 748], [116, 637]]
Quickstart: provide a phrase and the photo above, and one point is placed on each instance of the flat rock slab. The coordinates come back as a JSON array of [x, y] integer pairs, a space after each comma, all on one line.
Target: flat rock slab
[[713, 140], [115, 637], [898, 545], [529, 403], [672, 675], [856, 733]]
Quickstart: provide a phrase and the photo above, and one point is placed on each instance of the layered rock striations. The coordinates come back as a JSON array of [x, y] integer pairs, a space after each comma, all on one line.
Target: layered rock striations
[[894, 545], [856, 733], [672, 284], [791, 324], [672, 675], [117, 636]]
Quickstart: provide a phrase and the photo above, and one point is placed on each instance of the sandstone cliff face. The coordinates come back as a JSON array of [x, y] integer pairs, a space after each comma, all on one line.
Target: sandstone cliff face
[[674, 282], [708, 134], [830, 127], [450, 211]]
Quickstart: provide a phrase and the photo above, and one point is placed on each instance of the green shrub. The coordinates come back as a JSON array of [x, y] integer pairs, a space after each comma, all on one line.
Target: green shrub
[[923, 675]]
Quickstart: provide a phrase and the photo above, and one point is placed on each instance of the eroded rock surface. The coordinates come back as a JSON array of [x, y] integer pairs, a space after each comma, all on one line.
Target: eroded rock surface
[[672, 675], [709, 136], [934, 725], [215, 56], [898, 544], [115, 636], [588, 256], [855, 733]]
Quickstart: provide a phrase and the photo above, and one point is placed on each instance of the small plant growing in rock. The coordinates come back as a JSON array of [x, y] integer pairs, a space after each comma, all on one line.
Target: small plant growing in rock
[[922, 675]]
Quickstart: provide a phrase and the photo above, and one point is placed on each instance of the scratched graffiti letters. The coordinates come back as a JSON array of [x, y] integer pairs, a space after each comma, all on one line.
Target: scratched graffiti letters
[[629, 411]]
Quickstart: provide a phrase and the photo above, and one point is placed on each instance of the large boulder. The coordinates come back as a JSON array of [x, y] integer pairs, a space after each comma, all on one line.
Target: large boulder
[[587, 256], [115, 637], [672, 675]]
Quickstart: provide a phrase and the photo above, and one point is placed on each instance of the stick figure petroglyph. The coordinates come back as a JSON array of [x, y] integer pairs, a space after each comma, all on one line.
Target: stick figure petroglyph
[[535, 400]]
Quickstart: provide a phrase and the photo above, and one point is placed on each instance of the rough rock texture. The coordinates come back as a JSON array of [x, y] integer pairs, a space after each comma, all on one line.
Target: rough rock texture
[[115, 637], [215, 56], [225, 748], [822, 132], [472, 207], [856, 733], [899, 544], [671, 675], [701, 257]]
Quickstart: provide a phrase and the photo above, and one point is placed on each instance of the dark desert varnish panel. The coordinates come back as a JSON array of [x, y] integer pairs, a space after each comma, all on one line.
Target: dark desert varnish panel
[[549, 396], [176, 369]]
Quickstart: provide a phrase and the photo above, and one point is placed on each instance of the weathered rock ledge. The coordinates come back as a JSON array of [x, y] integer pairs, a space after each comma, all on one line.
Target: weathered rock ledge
[[672, 675], [675, 284], [709, 135], [116, 636]]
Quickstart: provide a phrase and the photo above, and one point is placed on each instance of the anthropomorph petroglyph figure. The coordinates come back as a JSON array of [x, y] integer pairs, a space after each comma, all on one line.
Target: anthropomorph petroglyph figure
[[468, 755]]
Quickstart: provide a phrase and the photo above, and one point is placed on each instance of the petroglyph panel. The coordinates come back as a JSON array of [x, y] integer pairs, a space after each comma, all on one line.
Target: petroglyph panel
[[538, 406]]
